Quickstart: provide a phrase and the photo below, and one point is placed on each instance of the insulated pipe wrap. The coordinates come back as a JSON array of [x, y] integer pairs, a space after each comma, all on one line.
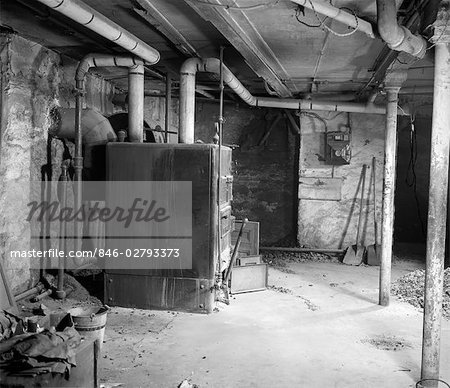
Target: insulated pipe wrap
[[104, 60], [340, 15], [95, 21], [136, 103], [95, 127], [397, 37]]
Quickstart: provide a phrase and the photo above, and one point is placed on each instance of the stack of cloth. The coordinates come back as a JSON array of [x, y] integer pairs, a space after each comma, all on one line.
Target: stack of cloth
[[30, 354]]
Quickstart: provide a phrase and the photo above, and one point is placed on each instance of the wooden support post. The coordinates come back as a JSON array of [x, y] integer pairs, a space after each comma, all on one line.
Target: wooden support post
[[437, 210]]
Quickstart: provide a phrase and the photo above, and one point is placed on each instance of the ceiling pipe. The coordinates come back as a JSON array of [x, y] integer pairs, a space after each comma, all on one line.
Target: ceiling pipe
[[212, 65], [98, 60], [135, 86], [397, 37], [329, 96], [95, 21], [338, 14]]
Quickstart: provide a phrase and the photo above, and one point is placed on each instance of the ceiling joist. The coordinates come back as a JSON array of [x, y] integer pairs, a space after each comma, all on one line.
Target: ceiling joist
[[241, 33], [155, 18]]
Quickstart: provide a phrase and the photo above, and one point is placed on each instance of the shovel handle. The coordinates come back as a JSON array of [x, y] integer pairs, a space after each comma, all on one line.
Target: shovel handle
[[361, 203]]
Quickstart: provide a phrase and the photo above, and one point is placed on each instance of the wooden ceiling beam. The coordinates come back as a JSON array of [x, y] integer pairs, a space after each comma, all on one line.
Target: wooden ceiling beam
[[242, 34], [155, 18]]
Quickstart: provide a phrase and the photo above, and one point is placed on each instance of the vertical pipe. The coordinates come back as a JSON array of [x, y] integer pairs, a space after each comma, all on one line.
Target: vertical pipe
[[187, 107], [387, 223], [78, 163], [60, 293], [437, 210], [219, 166], [136, 103], [168, 106]]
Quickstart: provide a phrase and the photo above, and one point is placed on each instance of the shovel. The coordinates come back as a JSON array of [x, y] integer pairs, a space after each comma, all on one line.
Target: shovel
[[355, 253], [373, 251]]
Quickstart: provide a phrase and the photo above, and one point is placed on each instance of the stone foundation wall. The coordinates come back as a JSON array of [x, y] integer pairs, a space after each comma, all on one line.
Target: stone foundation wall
[[265, 176], [34, 80], [325, 223]]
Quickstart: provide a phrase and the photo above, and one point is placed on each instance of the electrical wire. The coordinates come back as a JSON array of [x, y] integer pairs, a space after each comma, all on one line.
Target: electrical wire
[[316, 116], [411, 177], [322, 22], [436, 41], [234, 7], [297, 16]]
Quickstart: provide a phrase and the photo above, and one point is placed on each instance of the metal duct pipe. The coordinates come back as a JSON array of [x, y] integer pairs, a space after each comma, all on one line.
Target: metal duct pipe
[[135, 86], [95, 21], [136, 104], [104, 60], [95, 127], [338, 14], [398, 37], [212, 65]]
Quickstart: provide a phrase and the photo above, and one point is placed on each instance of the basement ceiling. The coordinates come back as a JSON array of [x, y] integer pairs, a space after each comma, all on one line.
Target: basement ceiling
[[270, 45]]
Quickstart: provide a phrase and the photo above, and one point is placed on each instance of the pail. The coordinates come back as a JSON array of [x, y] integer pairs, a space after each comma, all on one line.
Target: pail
[[90, 322]]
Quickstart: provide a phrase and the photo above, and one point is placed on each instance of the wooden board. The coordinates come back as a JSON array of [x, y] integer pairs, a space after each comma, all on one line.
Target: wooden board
[[249, 240], [248, 260], [328, 189], [7, 301], [249, 278]]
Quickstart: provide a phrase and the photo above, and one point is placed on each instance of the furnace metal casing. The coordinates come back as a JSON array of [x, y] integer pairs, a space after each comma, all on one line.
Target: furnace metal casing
[[184, 290]]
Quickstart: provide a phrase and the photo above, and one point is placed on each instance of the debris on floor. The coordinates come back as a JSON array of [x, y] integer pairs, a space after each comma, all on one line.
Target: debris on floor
[[33, 353], [280, 289], [187, 384], [280, 260], [308, 303], [410, 288], [77, 295], [10, 325], [390, 343], [311, 306]]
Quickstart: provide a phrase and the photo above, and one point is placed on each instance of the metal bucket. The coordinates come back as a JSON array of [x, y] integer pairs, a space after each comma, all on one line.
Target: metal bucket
[[90, 322]]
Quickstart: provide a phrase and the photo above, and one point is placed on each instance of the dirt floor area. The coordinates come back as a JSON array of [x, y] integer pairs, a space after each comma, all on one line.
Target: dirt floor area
[[318, 325]]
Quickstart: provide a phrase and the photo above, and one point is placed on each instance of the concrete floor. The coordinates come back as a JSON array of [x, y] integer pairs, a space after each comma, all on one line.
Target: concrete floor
[[319, 326]]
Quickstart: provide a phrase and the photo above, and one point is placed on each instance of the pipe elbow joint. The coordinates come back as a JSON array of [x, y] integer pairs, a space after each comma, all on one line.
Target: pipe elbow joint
[[409, 43], [190, 66], [83, 67]]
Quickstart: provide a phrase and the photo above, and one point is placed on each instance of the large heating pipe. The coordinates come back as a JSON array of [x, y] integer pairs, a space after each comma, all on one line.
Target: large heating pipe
[[95, 128], [135, 86], [340, 15], [99, 60], [437, 209], [398, 37], [136, 103], [95, 21], [212, 65]]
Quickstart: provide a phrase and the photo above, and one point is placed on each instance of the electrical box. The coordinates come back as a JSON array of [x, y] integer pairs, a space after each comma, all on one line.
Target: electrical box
[[338, 150]]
